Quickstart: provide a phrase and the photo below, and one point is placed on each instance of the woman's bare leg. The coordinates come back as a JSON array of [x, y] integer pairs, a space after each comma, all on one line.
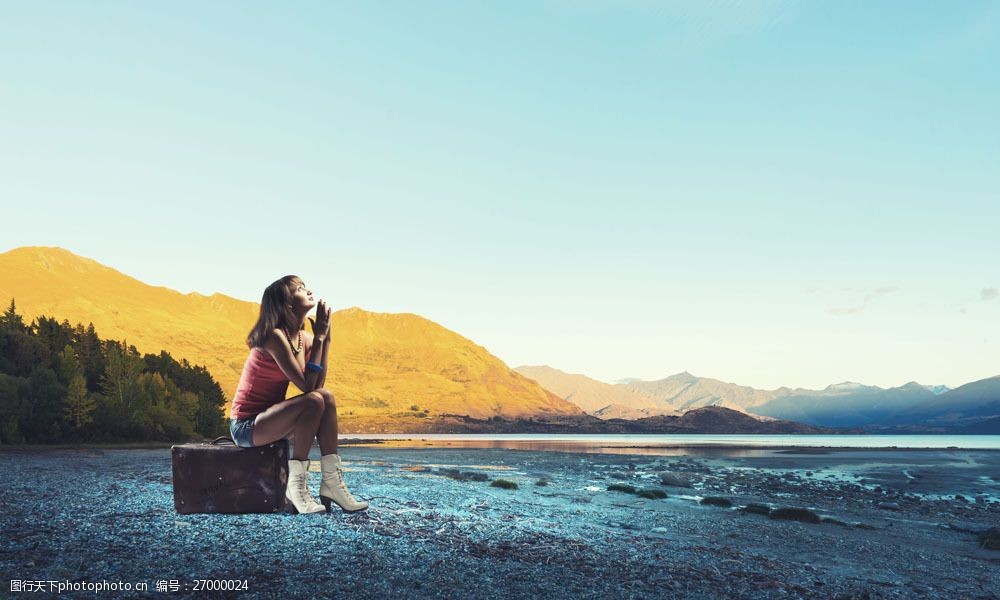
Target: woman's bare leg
[[298, 416], [328, 424]]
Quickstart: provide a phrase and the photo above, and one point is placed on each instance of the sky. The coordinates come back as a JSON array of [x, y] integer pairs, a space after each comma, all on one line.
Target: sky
[[768, 193]]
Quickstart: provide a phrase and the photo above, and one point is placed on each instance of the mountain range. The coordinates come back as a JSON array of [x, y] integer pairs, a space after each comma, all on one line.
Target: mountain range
[[847, 404]]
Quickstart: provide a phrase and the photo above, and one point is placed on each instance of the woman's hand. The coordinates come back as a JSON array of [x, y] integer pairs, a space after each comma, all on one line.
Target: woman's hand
[[321, 325]]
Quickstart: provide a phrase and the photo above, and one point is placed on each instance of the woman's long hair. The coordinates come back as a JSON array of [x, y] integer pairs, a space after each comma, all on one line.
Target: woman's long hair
[[275, 311]]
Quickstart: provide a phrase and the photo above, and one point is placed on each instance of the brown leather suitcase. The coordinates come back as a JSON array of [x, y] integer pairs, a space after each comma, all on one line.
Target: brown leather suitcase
[[220, 477]]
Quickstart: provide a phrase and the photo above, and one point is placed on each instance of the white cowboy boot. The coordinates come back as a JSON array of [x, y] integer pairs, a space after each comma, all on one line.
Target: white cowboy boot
[[299, 500], [334, 489]]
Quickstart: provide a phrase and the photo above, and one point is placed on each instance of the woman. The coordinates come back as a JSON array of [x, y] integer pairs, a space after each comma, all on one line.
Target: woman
[[278, 355]]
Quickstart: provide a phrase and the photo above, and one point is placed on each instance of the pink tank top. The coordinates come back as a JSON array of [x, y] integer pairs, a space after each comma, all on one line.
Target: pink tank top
[[261, 385]]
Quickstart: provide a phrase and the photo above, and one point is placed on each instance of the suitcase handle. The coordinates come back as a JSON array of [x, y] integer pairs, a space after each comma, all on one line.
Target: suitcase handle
[[223, 438]]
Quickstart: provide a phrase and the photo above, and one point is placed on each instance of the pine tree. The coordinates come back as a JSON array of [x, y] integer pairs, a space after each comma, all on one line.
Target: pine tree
[[79, 404], [88, 348], [120, 375], [10, 320], [68, 365]]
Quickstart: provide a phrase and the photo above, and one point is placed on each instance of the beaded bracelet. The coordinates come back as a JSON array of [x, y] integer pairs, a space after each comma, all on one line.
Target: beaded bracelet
[[311, 366]]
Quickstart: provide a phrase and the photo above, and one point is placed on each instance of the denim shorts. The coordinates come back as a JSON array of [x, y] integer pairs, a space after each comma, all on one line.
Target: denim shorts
[[242, 431]]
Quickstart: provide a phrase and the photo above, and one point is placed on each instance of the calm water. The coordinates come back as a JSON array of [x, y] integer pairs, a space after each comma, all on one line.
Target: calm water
[[569, 441]]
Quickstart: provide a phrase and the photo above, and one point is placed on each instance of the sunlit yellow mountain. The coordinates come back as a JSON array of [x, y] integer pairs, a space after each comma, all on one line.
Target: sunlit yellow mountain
[[382, 365], [597, 398]]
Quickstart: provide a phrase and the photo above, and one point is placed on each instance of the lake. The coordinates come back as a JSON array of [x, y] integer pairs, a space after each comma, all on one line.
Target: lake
[[674, 444]]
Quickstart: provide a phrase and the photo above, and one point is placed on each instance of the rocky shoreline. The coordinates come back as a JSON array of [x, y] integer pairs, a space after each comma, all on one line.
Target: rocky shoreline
[[887, 525]]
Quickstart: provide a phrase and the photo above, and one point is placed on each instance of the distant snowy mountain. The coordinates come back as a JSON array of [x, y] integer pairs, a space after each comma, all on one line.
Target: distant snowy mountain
[[963, 406], [848, 386]]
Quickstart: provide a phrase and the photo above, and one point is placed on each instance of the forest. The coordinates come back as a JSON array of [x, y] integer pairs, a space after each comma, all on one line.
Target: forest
[[61, 383]]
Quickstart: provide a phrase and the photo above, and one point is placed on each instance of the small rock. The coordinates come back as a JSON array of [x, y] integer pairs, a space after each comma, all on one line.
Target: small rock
[[674, 479], [653, 494], [716, 501], [619, 487], [795, 514], [990, 539], [758, 509], [463, 475], [888, 505], [504, 483]]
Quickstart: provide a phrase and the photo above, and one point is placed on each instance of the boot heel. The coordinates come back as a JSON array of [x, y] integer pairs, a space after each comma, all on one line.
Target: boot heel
[[329, 503]]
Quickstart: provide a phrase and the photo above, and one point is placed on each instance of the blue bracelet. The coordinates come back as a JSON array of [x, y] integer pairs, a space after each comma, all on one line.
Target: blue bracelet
[[311, 366]]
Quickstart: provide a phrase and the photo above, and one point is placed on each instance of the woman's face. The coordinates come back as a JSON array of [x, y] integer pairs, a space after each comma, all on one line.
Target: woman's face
[[301, 297]]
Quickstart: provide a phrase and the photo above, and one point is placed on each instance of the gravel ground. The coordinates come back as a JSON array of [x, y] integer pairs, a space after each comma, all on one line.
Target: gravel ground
[[438, 529]]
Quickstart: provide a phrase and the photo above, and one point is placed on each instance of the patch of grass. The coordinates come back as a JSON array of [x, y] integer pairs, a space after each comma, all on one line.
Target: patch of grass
[[621, 487], [757, 509], [504, 483], [795, 514], [716, 501], [653, 494]]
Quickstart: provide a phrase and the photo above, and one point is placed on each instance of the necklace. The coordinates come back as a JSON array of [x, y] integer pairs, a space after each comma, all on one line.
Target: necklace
[[295, 351]]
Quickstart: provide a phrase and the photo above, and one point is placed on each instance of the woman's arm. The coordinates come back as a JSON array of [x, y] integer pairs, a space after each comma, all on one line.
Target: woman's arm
[[322, 374], [321, 331]]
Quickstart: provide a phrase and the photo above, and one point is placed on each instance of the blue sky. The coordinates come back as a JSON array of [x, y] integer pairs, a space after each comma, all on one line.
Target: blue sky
[[769, 193]]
